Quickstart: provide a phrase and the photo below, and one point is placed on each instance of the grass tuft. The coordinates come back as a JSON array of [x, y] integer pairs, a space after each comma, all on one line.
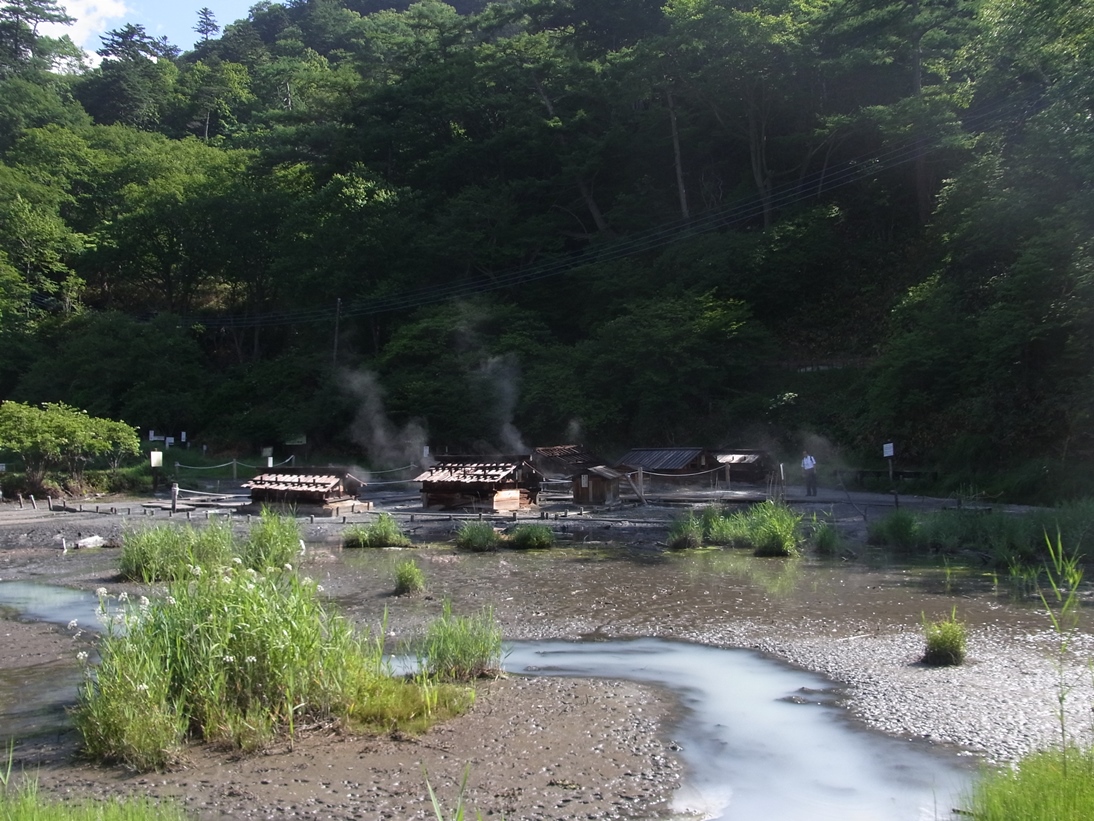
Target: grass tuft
[[462, 648], [24, 802], [479, 537], [686, 533], [946, 640], [1052, 785], [273, 541], [532, 536], [768, 529], [826, 539], [409, 578], [383, 532]]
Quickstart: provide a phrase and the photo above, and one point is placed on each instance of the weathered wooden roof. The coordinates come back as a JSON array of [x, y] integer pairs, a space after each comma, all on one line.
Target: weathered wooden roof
[[475, 469], [569, 454], [741, 457], [603, 471], [307, 483], [660, 458]]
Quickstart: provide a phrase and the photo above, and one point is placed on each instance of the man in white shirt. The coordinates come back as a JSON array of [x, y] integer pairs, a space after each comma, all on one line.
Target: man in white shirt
[[809, 470]]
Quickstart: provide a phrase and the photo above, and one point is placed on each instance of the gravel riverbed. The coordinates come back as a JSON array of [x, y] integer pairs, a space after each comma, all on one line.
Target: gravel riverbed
[[560, 749]]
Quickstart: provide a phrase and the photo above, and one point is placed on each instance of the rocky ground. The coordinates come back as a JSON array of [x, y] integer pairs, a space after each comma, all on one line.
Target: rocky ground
[[560, 749]]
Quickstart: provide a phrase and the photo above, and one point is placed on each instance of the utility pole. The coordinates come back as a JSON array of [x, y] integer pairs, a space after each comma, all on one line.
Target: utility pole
[[337, 319]]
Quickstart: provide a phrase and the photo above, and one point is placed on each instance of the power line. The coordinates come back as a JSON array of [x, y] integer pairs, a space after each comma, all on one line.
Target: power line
[[740, 212]]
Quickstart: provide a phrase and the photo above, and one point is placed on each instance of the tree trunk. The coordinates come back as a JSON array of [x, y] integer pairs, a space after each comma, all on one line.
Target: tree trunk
[[680, 190]]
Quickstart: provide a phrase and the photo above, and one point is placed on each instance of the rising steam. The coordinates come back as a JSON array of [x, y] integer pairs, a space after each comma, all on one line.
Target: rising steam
[[386, 445]]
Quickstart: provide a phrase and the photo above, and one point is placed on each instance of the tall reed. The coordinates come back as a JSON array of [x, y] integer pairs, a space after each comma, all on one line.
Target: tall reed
[[462, 648], [272, 542]]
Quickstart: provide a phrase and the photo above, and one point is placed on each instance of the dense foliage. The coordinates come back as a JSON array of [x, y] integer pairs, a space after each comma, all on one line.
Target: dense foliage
[[489, 225]]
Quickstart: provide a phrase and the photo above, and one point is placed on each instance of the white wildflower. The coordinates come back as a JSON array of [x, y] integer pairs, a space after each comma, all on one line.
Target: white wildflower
[[142, 688], [123, 596], [319, 588], [172, 600], [250, 587], [229, 659], [81, 656], [145, 604], [288, 567], [251, 659], [72, 625], [237, 560], [225, 580], [101, 593], [195, 570]]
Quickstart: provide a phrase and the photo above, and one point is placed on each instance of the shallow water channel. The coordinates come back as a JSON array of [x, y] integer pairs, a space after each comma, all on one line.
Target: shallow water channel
[[758, 738], [763, 740]]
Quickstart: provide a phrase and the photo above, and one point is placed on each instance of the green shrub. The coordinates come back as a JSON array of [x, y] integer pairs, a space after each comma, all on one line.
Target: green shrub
[[532, 536], [686, 533], [409, 578], [477, 536], [461, 648], [383, 532], [273, 541], [945, 641]]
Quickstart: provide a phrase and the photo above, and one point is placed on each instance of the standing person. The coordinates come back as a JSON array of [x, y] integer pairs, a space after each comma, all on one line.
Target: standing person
[[809, 471]]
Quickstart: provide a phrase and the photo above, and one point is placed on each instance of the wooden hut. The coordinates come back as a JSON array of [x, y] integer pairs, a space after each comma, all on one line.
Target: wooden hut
[[752, 466], [596, 485], [481, 482], [563, 461], [302, 486]]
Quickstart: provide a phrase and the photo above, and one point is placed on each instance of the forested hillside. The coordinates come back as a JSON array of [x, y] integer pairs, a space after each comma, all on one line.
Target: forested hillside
[[495, 225]]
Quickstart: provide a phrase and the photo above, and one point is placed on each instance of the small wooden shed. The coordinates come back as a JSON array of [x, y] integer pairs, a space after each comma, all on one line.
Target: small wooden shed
[[488, 483], [745, 465], [302, 486], [596, 485]]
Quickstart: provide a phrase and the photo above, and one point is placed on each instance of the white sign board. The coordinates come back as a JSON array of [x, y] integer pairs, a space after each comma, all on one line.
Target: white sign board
[[887, 450], [157, 458], [3, 468]]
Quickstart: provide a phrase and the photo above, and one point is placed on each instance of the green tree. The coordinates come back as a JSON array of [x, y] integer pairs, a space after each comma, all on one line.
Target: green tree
[[135, 84], [57, 434], [206, 26], [20, 43]]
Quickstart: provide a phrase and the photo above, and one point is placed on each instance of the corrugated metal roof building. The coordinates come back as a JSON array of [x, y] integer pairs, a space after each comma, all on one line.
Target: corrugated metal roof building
[[669, 460]]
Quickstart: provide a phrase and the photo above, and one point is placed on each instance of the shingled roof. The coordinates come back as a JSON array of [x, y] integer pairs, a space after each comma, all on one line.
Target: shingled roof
[[475, 469]]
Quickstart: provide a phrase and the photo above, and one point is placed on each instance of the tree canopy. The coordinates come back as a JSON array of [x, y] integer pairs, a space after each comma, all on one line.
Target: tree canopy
[[533, 220]]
